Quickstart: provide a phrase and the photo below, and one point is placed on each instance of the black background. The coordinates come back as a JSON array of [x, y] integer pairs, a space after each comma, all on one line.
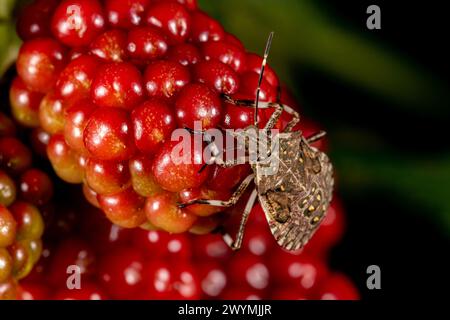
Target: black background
[[409, 249]]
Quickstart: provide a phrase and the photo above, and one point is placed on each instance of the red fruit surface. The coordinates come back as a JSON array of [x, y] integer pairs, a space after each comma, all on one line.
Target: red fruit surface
[[33, 21], [185, 54], [250, 272], [125, 208], [232, 39], [36, 187], [39, 63], [102, 234], [33, 291], [125, 13], [287, 294], [76, 118], [7, 189], [153, 243], [121, 272], [117, 85], [211, 246], [241, 294], [7, 127], [76, 52], [172, 282], [39, 140], [197, 102], [173, 19], [159, 281], [203, 210], [110, 46], [8, 227], [24, 103], [77, 22], [214, 279], [186, 282], [249, 86], [228, 178], [176, 168], [178, 246], [205, 28], [153, 123], [15, 157], [258, 240], [164, 78], [21, 257], [239, 117], [163, 212], [254, 61], [88, 291], [107, 177], [51, 113], [146, 43], [90, 195], [206, 225], [142, 176], [304, 272], [225, 52], [75, 80], [190, 4], [64, 160], [8, 290], [217, 75], [108, 134], [71, 252]]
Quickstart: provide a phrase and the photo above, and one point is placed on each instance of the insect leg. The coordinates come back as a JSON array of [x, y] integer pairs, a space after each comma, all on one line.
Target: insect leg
[[231, 162], [220, 203], [206, 137], [315, 137], [214, 150], [274, 117], [264, 105], [236, 244], [295, 118]]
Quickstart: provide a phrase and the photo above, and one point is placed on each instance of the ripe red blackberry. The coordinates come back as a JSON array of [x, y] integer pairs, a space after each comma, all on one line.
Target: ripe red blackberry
[[111, 80], [119, 263]]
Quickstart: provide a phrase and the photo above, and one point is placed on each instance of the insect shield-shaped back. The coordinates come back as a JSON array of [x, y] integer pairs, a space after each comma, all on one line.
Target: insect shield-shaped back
[[296, 198]]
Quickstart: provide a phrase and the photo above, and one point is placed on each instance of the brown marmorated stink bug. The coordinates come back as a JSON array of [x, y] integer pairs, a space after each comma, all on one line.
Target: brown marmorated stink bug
[[296, 196]]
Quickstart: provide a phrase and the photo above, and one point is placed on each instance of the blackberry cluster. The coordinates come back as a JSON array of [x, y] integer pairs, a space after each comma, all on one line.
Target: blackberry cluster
[[109, 81], [119, 263], [24, 192]]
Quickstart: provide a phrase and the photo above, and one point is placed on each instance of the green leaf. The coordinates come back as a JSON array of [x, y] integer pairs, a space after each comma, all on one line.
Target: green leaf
[[9, 46], [6, 9]]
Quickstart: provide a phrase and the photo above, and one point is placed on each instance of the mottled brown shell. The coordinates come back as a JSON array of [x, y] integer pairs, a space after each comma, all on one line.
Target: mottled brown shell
[[295, 199]]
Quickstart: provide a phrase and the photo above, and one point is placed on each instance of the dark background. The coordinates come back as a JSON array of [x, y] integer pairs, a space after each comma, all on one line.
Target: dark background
[[409, 247], [399, 237], [388, 136]]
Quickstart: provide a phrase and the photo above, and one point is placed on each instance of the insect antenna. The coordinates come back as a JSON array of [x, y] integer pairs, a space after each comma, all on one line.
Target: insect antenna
[[202, 168], [261, 74]]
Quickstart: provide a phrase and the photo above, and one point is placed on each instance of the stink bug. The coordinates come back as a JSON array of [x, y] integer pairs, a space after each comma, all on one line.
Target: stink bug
[[296, 197]]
